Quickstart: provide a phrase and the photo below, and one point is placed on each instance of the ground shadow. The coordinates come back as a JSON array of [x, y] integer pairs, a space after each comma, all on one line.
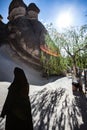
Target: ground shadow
[[44, 104], [81, 102], [2, 124], [54, 109]]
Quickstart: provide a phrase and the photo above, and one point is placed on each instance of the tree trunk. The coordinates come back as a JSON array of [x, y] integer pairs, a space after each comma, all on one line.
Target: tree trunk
[[76, 77], [74, 66]]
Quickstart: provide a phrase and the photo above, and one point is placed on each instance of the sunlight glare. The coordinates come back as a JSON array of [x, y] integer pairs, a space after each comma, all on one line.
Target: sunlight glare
[[64, 20]]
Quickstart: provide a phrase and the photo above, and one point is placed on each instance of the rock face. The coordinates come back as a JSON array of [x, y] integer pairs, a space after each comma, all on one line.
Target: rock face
[[33, 11], [17, 8], [26, 36], [25, 32], [3, 32]]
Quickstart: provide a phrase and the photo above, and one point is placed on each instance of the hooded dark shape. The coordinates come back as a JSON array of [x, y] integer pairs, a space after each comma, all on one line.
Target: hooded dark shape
[[20, 80], [17, 106]]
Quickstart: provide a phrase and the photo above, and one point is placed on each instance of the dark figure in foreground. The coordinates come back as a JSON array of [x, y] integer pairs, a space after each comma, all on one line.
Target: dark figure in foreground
[[17, 105]]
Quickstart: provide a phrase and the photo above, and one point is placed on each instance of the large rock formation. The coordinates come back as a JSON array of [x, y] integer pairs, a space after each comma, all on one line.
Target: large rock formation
[[25, 32], [17, 8]]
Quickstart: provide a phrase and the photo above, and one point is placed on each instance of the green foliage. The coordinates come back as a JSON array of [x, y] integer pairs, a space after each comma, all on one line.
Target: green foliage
[[82, 60], [72, 47], [74, 42], [53, 65], [51, 44]]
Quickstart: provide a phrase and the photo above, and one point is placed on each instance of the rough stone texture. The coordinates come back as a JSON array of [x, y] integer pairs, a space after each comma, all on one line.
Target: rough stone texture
[[25, 35], [15, 4], [17, 12], [32, 15], [32, 6]]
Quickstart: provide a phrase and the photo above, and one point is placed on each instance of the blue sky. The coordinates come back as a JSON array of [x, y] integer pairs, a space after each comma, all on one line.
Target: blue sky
[[59, 12]]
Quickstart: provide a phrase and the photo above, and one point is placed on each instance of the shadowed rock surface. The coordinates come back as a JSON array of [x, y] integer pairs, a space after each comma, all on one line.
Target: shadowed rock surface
[[3, 32], [25, 32]]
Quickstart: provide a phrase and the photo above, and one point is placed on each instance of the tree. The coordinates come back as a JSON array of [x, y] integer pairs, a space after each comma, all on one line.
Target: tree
[[74, 42]]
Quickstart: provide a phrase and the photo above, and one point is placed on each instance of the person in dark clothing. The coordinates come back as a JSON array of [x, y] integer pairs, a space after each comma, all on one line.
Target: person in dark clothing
[[17, 106]]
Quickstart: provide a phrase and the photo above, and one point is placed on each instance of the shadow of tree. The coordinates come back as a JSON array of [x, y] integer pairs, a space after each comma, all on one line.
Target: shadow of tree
[[57, 109], [2, 125], [43, 106], [81, 103], [54, 109]]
